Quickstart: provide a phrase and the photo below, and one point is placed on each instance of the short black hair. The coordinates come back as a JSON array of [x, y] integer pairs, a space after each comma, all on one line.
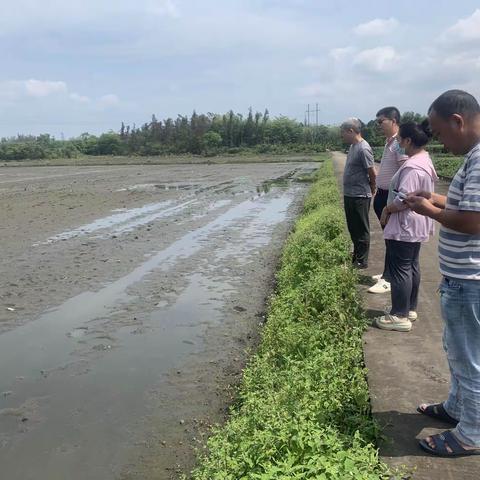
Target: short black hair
[[454, 102], [392, 113], [418, 133]]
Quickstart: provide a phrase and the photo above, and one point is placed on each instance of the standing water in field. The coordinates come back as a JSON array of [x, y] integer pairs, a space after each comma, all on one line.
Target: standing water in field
[[82, 382]]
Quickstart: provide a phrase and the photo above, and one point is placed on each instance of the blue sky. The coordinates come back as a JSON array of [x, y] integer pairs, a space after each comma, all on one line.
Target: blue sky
[[71, 67]]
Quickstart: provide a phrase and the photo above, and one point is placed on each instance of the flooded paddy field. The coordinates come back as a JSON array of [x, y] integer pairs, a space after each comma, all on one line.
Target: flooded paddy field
[[128, 298]]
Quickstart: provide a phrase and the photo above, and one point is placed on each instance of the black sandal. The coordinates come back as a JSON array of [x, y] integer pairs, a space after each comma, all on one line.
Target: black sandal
[[438, 412], [445, 441]]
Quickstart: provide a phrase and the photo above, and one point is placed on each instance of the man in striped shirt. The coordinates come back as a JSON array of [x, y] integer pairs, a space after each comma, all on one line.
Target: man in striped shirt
[[388, 120], [455, 120]]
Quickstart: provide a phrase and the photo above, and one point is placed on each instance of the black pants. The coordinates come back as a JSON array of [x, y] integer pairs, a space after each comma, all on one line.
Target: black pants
[[379, 203], [356, 213], [404, 275]]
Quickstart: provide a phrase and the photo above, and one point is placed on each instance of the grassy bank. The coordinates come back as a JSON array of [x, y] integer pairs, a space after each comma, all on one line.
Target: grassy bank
[[303, 407]]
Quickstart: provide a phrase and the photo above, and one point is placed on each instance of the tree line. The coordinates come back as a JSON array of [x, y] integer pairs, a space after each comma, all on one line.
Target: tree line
[[200, 134]]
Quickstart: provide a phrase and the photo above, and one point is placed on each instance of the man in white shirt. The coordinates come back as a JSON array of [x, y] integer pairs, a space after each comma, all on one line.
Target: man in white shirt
[[388, 120]]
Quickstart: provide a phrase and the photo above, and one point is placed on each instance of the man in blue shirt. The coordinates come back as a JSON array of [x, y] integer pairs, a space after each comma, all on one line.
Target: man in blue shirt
[[455, 120]]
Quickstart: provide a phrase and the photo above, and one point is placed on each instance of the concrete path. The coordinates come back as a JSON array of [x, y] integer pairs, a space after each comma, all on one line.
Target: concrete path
[[406, 369]]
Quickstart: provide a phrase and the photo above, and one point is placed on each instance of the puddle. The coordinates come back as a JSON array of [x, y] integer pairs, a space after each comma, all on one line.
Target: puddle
[[124, 221], [152, 187], [84, 419], [88, 389]]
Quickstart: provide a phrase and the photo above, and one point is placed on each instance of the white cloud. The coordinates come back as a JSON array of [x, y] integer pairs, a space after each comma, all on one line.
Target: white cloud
[[465, 30], [341, 53], [12, 91], [110, 100], [79, 98], [379, 59], [376, 27], [43, 88], [164, 7]]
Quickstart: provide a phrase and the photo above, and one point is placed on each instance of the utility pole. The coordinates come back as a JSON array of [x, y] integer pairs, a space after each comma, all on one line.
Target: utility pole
[[309, 112]]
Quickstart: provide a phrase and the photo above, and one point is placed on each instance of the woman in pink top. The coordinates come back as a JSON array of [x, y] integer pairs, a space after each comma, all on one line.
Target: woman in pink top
[[406, 230]]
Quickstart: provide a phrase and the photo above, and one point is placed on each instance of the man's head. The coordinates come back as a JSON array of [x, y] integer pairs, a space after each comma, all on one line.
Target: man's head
[[388, 119], [351, 130], [455, 120]]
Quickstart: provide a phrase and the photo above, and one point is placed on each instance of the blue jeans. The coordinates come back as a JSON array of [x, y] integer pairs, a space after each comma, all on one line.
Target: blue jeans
[[460, 300]]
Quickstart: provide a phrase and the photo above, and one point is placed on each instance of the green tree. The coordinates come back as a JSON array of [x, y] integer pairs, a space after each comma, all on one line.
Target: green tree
[[211, 141]]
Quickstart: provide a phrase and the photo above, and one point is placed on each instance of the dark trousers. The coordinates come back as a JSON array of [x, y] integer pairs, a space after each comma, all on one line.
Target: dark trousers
[[379, 203], [356, 213], [404, 275]]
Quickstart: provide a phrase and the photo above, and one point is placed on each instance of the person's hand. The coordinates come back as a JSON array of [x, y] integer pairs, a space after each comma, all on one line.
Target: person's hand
[[384, 217], [422, 193], [373, 188], [421, 205]]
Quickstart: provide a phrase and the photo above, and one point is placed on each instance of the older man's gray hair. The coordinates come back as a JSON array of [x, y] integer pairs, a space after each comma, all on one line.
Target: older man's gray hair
[[352, 124]]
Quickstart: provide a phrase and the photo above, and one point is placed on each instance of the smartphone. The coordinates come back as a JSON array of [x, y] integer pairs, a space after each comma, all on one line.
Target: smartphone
[[400, 195]]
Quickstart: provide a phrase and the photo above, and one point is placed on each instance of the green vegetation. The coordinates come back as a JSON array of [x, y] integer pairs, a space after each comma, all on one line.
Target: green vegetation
[[447, 165], [303, 408], [207, 135], [203, 135]]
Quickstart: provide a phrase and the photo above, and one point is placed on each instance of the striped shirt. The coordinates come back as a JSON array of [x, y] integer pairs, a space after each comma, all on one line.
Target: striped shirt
[[460, 252], [391, 161]]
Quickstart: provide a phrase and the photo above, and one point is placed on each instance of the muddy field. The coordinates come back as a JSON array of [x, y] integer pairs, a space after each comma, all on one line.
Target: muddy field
[[128, 298]]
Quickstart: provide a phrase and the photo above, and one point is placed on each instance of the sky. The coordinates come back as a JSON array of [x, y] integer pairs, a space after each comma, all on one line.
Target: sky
[[69, 67]]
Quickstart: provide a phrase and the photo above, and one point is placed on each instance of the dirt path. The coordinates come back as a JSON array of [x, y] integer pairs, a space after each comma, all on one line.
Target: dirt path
[[408, 369], [129, 295]]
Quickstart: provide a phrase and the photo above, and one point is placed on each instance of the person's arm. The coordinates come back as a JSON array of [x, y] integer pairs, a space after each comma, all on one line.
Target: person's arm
[[434, 198], [462, 221], [369, 164], [395, 206], [372, 176]]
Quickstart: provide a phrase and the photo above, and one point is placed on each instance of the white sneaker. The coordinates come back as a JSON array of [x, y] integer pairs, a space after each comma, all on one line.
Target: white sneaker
[[392, 322], [377, 277], [382, 286], [412, 316]]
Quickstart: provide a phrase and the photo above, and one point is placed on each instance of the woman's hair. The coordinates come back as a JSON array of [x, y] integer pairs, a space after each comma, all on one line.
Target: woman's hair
[[418, 133]]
